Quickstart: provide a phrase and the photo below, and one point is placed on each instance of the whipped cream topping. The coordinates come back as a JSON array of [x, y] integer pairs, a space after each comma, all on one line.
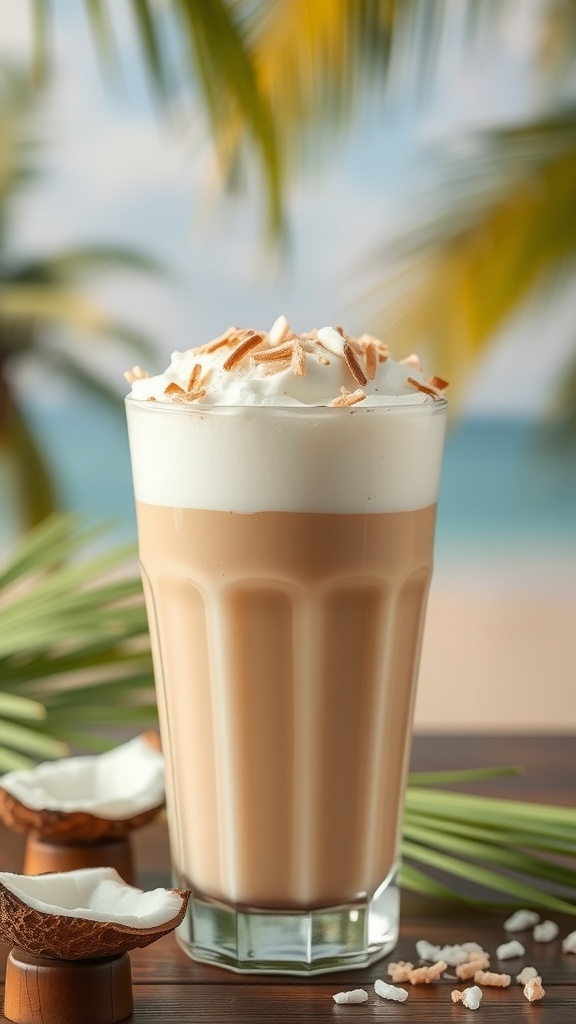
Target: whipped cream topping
[[281, 368], [318, 422]]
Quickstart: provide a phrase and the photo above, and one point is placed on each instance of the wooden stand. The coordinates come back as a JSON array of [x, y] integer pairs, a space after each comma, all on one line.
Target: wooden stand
[[40, 990], [42, 856]]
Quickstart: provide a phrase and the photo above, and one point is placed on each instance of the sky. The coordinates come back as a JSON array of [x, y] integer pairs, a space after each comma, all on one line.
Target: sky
[[117, 171]]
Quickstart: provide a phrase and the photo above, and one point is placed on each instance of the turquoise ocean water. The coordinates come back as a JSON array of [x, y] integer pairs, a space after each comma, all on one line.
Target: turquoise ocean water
[[507, 509]]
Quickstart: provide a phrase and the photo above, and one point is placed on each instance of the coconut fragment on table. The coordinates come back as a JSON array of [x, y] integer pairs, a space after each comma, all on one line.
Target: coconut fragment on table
[[547, 931], [569, 943], [354, 995], [526, 974], [521, 920], [398, 995], [469, 997], [510, 950]]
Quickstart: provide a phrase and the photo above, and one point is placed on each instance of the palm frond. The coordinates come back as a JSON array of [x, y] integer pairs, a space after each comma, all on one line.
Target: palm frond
[[75, 265], [36, 493], [488, 227], [74, 651]]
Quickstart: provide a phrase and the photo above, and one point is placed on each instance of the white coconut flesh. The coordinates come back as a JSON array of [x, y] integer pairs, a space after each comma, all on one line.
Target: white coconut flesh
[[117, 785], [94, 894]]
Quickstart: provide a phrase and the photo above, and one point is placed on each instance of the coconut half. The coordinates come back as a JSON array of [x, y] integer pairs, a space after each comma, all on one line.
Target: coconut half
[[85, 799], [85, 914]]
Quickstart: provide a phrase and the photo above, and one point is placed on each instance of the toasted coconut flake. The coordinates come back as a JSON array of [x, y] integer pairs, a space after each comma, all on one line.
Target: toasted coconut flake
[[371, 357], [220, 342], [151, 398], [322, 359], [174, 389], [427, 975], [492, 980], [242, 349], [194, 377], [418, 386], [354, 366], [298, 363], [347, 398], [192, 396], [136, 373], [86, 799], [414, 361], [85, 914], [272, 354], [438, 383]]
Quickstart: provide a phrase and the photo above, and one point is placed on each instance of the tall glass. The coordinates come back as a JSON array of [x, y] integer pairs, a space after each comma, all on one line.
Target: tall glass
[[286, 556]]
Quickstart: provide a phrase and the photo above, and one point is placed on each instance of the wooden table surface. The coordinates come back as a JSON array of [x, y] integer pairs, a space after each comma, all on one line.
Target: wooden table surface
[[168, 986]]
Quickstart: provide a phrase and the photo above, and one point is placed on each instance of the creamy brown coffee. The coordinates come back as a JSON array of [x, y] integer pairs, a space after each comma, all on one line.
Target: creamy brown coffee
[[286, 647], [286, 488]]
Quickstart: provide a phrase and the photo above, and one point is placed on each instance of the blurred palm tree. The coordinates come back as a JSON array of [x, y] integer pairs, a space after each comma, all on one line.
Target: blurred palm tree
[[37, 295], [280, 77]]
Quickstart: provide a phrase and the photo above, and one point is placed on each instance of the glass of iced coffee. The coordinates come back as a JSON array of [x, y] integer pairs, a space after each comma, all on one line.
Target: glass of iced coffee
[[286, 490]]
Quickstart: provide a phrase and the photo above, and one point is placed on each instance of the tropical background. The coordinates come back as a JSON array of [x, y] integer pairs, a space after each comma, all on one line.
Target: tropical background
[[171, 167]]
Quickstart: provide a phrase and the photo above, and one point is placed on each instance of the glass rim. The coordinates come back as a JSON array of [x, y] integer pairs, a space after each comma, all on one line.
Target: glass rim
[[434, 407]]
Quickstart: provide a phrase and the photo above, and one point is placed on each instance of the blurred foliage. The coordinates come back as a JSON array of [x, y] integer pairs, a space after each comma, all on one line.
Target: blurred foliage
[[37, 293], [74, 650], [280, 77]]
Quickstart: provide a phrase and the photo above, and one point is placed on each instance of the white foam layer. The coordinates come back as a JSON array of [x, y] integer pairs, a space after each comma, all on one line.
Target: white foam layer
[[256, 458]]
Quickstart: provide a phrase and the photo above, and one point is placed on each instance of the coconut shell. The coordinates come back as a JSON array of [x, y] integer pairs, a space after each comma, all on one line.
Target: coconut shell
[[75, 938], [68, 826]]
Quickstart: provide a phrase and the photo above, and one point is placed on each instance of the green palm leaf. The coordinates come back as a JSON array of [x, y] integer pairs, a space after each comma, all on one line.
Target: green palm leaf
[[74, 651]]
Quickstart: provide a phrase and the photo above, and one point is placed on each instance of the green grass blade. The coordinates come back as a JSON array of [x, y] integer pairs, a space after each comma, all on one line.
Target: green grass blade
[[410, 877], [491, 833], [462, 775], [481, 876], [456, 806]]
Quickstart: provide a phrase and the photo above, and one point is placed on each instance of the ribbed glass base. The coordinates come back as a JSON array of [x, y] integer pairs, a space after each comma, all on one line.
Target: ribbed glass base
[[292, 942]]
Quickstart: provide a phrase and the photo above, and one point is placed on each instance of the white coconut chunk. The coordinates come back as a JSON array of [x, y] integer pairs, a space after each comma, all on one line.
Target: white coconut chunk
[[472, 947], [398, 995], [510, 950], [427, 951], [526, 974], [117, 785], [452, 955], [354, 995], [471, 997], [569, 943], [94, 894], [280, 328], [332, 340], [546, 931], [521, 920]]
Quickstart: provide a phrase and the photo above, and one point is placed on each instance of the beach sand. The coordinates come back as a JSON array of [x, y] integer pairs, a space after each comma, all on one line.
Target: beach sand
[[497, 662]]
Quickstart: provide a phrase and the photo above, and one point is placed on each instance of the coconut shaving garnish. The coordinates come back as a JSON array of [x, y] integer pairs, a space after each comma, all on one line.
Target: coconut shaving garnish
[[298, 362], [354, 366], [413, 360], [438, 383], [270, 354], [492, 979], [136, 373], [525, 974], [281, 368], [346, 398], [470, 997], [419, 386], [385, 991], [242, 349], [355, 995]]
